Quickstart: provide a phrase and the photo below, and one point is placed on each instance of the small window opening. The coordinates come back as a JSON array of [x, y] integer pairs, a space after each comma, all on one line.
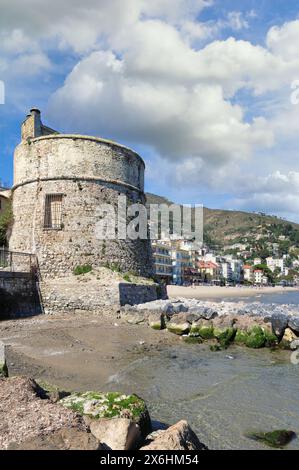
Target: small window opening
[[53, 212]]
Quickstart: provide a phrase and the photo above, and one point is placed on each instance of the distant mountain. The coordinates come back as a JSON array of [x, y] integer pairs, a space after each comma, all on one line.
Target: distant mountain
[[225, 228]]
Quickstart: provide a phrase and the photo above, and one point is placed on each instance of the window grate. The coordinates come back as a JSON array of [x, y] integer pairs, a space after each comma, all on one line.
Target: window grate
[[53, 212]]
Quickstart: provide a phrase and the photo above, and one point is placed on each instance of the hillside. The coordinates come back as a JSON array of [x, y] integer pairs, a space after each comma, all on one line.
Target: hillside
[[223, 228]]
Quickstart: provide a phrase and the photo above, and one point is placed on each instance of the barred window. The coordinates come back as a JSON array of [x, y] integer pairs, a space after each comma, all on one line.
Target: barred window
[[53, 212]]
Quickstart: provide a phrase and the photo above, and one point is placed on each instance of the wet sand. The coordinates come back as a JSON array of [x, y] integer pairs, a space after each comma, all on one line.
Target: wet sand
[[217, 292], [78, 352]]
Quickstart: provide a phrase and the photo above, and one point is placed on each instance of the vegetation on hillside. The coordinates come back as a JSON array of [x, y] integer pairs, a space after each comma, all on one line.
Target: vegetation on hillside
[[262, 234]]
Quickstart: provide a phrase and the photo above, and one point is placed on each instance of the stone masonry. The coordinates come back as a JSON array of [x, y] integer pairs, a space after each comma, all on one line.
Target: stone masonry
[[85, 172]]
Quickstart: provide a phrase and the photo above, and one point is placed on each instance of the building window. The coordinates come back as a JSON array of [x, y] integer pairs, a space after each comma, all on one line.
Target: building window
[[53, 212]]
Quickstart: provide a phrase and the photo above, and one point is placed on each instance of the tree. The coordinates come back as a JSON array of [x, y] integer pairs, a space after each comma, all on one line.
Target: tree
[[6, 219]]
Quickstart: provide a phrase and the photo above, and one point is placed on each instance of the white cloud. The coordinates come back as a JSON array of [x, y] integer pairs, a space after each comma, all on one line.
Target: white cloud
[[237, 21], [283, 41], [143, 76], [179, 120]]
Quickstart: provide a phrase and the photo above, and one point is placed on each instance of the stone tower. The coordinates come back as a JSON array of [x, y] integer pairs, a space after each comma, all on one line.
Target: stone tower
[[59, 182]]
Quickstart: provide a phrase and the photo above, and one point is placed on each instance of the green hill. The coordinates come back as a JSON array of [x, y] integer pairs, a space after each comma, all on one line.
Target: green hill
[[223, 228]]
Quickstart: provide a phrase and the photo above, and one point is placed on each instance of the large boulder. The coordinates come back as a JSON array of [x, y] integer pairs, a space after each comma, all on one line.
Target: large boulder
[[254, 332], [288, 338], [27, 414], [177, 437], [206, 313], [224, 330], [98, 405], [179, 308], [209, 313], [116, 433], [294, 324], [279, 323]]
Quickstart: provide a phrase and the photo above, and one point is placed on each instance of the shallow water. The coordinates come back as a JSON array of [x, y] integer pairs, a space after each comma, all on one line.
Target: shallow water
[[223, 395], [279, 298]]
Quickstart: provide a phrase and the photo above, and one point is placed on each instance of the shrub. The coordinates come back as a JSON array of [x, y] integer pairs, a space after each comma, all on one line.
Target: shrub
[[6, 219], [85, 268], [126, 277]]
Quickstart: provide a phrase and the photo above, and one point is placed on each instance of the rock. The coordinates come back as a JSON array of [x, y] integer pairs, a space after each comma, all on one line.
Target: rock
[[157, 321], [279, 324], [179, 307], [28, 414], [224, 330], [64, 439], [177, 437], [110, 405], [191, 317], [288, 338], [294, 324], [256, 338], [277, 439], [202, 328], [206, 313], [51, 391], [254, 332], [135, 317], [209, 313], [179, 324], [116, 433]]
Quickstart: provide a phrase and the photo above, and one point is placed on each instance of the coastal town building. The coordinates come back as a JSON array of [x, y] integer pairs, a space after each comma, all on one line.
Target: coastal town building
[[259, 277], [226, 271], [276, 263], [248, 273], [209, 271], [181, 262], [162, 254]]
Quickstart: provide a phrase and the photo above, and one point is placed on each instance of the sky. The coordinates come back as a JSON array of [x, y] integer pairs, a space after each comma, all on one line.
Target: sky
[[207, 91]]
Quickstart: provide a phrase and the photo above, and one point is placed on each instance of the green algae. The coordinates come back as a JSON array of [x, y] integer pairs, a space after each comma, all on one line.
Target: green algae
[[276, 439]]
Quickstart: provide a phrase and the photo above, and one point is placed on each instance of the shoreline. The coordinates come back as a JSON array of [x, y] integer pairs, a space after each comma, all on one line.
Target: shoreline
[[210, 292]]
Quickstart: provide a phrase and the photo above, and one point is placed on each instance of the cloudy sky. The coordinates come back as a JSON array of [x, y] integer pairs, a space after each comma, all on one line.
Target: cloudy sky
[[200, 88]]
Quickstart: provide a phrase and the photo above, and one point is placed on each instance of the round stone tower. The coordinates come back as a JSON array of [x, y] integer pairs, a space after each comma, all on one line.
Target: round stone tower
[[60, 181]]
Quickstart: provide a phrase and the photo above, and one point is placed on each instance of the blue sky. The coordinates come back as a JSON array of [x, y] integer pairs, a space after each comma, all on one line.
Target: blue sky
[[200, 88]]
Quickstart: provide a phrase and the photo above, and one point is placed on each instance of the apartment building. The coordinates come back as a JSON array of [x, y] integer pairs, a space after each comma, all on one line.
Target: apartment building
[[276, 263], [181, 263], [162, 261]]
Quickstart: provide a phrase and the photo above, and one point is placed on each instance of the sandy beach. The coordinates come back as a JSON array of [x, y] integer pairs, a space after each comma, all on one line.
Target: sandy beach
[[77, 352], [217, 292]]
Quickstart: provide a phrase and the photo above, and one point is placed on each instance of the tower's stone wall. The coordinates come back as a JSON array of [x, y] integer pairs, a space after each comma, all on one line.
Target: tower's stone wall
[[85, 172]]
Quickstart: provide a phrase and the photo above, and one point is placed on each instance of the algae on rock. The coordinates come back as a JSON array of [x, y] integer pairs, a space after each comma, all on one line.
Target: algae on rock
[[98, 405], [276, 439]]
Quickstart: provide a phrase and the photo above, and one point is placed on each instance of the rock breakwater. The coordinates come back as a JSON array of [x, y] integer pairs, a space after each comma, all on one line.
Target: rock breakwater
[[253, 325]]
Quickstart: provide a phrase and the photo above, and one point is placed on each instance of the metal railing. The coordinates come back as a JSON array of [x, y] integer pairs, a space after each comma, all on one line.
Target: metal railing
[[14, 261]]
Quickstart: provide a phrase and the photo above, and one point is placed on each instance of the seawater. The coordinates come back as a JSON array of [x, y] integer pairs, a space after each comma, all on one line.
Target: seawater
[[279, 298], [223, 395]]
